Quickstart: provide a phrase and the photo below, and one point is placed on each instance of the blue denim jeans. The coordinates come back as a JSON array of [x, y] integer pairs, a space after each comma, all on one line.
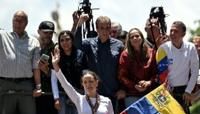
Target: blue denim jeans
[[67, 106], [130, 100]]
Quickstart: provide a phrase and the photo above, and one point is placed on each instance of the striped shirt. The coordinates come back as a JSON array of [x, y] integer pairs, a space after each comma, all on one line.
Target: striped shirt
[[18, 55]]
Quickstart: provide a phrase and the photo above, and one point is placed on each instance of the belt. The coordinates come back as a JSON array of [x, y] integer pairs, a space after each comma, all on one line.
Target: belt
[[179, 90], [179, 87], [15, 79]]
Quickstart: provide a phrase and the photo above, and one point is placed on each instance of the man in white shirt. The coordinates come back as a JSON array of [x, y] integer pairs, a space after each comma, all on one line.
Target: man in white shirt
[[183, 64]]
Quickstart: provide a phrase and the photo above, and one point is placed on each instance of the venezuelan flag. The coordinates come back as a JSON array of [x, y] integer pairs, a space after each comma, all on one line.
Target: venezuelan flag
[[162, 64], [158, 101]]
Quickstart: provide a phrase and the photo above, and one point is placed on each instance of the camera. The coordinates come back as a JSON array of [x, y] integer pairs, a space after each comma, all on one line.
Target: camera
[[158, 12], [86, 8], [88, 28]]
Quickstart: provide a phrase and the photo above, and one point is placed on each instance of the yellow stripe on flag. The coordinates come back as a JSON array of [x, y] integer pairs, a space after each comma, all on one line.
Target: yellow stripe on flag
[[163, 102], [160, 54]]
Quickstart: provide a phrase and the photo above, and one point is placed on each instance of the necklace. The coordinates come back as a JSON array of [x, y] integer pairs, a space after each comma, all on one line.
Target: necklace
[[96, 105]]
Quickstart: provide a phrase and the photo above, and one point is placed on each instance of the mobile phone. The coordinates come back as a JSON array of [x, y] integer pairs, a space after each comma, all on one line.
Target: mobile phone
[[44, 57]]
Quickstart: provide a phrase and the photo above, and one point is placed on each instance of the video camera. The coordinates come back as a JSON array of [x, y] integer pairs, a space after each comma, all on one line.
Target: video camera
[[158, 12], [86, 8]]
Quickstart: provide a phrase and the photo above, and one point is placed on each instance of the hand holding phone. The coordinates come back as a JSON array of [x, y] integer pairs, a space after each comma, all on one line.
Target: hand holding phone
[[44, 57], [43, 63]]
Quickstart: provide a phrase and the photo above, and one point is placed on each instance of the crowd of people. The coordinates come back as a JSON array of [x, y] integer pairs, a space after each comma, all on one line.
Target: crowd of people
[[103, 74]]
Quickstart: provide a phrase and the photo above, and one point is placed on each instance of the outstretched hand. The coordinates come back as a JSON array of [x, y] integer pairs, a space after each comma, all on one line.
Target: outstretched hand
[[55, 58], [83, 18], [43, 66], [75, 17], [161, 39]]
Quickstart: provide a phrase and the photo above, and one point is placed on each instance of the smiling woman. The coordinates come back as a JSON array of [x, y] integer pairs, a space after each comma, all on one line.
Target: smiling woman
[[91, 102], [137, 67], [90, 83]]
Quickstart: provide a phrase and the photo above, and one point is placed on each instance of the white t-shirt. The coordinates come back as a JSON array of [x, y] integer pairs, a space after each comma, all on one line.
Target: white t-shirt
[[182, 62]]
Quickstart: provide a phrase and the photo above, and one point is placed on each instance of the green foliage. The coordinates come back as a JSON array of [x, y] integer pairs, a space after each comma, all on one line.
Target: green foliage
[[196, 31], [195, 108]]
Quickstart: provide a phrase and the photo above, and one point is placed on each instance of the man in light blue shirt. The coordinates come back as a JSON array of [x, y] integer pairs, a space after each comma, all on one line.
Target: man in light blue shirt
[[19, 56]]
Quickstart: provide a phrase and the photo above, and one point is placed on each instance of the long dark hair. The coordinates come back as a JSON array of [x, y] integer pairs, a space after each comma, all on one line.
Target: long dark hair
[[130, 48], [59, 37]]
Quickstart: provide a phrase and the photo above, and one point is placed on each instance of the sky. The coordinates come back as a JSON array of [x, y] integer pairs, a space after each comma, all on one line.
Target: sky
[[130, 13]]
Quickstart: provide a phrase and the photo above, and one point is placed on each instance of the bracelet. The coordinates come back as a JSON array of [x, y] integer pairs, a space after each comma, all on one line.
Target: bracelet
[[38, 86]]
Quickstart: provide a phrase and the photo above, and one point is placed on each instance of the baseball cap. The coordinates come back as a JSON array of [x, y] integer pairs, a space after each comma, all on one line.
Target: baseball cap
[[47, 26]]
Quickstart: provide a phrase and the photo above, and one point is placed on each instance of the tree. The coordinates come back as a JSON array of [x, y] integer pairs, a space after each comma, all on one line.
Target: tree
[[196, 31]]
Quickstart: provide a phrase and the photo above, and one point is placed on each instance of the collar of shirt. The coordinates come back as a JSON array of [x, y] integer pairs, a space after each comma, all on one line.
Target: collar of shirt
[[25, 35], [106, 42]]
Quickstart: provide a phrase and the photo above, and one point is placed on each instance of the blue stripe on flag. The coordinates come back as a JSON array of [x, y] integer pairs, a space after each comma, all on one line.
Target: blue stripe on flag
[[162, 65], [142, 106]]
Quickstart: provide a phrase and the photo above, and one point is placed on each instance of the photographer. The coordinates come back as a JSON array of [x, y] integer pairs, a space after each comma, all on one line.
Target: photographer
[[86, 27], [156, 28], [78, 21], [156, 33]]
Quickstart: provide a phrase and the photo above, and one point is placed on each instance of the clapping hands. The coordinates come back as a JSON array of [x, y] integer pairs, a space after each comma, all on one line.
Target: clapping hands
[[142, 85]]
